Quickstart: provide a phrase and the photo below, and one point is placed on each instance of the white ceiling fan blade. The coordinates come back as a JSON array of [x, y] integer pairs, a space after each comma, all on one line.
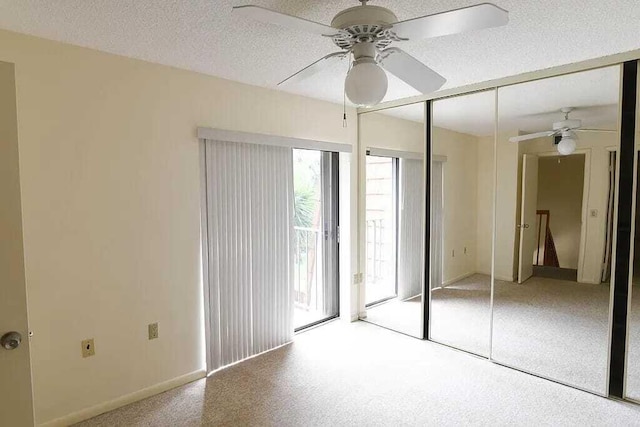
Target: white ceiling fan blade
[[594, 130], [533, 136], [485, 15], [269, 16], [410, 70], [315, 68]]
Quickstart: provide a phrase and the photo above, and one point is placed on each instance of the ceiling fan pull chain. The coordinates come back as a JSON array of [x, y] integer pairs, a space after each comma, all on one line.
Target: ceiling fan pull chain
[[344, 94]]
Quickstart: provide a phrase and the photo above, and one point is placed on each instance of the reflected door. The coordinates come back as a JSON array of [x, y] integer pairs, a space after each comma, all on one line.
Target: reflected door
[[528, 241]]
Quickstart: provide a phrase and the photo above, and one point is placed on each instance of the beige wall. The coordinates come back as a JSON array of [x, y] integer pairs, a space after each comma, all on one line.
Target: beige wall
[[560, 186], [507, 207], [111, 206], [460, 202], [485, 185], [389, 132]]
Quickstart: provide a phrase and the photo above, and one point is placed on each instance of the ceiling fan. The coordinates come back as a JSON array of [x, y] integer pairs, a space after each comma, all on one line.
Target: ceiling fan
[[566, 129], [366, 32]]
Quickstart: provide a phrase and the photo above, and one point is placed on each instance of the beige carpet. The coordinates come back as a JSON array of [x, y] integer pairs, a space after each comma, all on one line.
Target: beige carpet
[[359, 374], [461, 314], [553, 328], [633, 365], [401, 316]]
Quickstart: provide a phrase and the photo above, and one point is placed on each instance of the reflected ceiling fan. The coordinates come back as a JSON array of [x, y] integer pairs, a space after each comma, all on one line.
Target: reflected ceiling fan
[[566, 129], [367, 32]]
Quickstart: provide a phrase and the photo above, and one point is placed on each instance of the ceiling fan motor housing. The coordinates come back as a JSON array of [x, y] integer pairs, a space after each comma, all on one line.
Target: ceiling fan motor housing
[[364, 24], [567, 124]]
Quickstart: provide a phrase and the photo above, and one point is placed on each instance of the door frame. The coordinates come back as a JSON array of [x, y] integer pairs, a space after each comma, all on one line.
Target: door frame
[[585, 203], [522, 226]]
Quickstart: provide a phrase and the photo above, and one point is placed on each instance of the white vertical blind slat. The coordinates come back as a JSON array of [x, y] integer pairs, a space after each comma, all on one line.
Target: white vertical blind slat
[[250, 216], [410, 227], [437, 179]]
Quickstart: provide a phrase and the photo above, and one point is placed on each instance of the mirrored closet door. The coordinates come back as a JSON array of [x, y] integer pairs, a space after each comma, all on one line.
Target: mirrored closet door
[[462, 175], [394, 216], [632, 368], [556, 159]]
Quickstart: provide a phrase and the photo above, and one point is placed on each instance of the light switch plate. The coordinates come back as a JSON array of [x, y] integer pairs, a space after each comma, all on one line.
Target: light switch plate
[[88, 348], [153, 331]]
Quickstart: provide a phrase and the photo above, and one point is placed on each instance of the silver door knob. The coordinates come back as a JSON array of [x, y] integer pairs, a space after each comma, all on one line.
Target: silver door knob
[[11, 340]]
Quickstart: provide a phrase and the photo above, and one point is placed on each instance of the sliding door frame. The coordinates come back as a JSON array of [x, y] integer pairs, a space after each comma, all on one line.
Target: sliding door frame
[[329, 170], [428, 158], [624, 228], [205, 133]]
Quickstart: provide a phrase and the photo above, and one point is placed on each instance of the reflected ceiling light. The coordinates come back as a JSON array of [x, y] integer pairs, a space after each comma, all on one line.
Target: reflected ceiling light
[[567, 144], [366, 83]]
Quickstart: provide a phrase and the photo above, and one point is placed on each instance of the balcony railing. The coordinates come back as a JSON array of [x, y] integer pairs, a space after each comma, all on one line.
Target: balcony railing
[[377, 250]]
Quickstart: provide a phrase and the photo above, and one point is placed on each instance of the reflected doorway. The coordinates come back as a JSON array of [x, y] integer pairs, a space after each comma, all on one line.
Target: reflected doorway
[[552, 215]]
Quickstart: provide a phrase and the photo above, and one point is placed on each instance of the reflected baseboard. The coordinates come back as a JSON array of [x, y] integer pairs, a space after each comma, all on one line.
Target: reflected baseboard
[[457, 279]]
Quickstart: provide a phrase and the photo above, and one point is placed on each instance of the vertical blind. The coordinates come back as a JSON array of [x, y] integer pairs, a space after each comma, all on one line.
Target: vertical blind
[[249, 231], [410, 229]]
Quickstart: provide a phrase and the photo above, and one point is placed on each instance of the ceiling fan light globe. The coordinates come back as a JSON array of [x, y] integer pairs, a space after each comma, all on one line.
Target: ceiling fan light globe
[[366, 84], [567, 145]]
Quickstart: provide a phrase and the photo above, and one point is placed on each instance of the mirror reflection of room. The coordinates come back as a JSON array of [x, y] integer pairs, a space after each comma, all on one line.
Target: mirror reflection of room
[[394, 210], [461, 220], [556, 161]]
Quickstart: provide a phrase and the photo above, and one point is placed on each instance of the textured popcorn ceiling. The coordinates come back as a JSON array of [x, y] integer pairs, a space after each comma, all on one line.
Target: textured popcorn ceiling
[[529, 107], [202, 35]]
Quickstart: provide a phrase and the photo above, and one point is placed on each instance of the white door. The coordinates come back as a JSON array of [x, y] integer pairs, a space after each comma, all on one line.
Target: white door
[[16, 403], [528, 207]]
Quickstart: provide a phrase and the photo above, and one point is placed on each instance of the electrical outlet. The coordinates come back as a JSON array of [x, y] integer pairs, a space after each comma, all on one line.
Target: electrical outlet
[[153, 331], [88, 348]]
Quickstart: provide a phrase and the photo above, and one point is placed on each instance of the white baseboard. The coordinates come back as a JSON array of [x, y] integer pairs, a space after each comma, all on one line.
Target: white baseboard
[[457, 279], [505, 278], [121, 401]]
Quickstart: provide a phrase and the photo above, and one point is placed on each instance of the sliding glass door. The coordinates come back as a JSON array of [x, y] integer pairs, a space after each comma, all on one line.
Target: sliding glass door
[[315, 184]]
